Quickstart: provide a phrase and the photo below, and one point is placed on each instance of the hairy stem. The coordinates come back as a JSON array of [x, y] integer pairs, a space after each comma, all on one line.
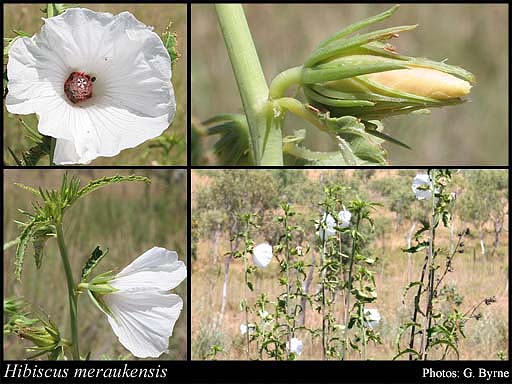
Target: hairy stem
[[431, 273], [266, 138], [287, 250], [349, 287], [322, 263], [73, 299]]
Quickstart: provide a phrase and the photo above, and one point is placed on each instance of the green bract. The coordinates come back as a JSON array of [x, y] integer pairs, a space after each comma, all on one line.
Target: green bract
[[339, 76]]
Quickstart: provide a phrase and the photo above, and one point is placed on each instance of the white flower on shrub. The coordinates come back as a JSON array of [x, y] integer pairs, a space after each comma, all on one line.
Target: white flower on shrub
[[344, 217], [372, 316], [262, 255], [330, 223], [250, 326], [295, 346], [422, 186], [99, 83]]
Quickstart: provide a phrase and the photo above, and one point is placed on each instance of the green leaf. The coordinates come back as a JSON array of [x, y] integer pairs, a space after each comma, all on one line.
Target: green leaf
[[104, 181], [92, 262], [38, 151], [20, 34], [406, 289], [171, 44], [41, 235], [371, 128], [418, 247], [336, 48], [360, 25], [25, 237], [232, 147], [407, 351], [16, 160]]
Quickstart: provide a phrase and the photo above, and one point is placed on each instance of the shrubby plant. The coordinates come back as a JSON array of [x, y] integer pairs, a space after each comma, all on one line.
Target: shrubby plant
[[323, 273], [437, 321]]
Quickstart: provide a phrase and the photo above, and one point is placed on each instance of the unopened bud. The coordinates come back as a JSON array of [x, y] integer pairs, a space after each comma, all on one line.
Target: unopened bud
[[365, 77], [423, 82], [45, 337]]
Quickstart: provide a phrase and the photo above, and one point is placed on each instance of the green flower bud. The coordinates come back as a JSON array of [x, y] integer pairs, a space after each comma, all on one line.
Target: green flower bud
[[45, 337], [365, 77]]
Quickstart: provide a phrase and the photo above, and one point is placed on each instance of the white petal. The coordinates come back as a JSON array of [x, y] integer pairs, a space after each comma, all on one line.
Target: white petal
[[144, 321], [262, 255], [422, 180], [329, 226], [156, 269], [295, 345], [140, 66], [36, 80], [65, 153], [344, 218]]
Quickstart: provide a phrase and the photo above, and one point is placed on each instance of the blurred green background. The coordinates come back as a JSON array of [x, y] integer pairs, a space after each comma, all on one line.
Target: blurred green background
[[474, 36], [27, 17], [128, 218]]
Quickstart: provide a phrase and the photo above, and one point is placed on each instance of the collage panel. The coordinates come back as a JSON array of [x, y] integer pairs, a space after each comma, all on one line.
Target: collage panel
[[349, 84], [95, 84], [327, 264], [320, 193], [111, 242]]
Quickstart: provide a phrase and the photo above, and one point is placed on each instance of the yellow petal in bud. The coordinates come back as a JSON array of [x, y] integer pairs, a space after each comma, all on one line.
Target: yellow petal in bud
[[424, 82]]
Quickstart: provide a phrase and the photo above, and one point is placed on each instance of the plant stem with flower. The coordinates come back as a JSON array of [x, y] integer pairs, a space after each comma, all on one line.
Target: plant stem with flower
[[349, 84]]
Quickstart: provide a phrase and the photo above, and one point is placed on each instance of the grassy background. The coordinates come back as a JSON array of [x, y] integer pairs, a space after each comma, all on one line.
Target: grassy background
[[474, 277], [473, 36], [27, 17], [127, 218]]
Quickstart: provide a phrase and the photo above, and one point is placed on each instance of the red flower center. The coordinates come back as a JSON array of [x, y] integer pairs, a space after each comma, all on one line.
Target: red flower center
[[78, 87]]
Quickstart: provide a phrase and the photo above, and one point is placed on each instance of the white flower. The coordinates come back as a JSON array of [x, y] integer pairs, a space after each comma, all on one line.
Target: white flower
[[142, 311], [422, 186], [373, 317], [99, 83], [262, 255], [329, 227], [263, 314], [344, 217], [295, 346], [266, 319], [243, 328]]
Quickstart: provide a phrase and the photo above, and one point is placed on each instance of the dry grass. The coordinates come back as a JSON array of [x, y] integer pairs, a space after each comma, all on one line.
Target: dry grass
[[27, 17], [127, 218], [474, 277], [285, 34]]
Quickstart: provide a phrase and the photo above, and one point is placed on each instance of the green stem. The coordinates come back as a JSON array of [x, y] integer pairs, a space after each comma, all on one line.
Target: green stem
[[287, 250], [363, 329], [53, 142], [73, 308], [349, 286], [266, 138], [431, 271], [283, 81], [297, 108]]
